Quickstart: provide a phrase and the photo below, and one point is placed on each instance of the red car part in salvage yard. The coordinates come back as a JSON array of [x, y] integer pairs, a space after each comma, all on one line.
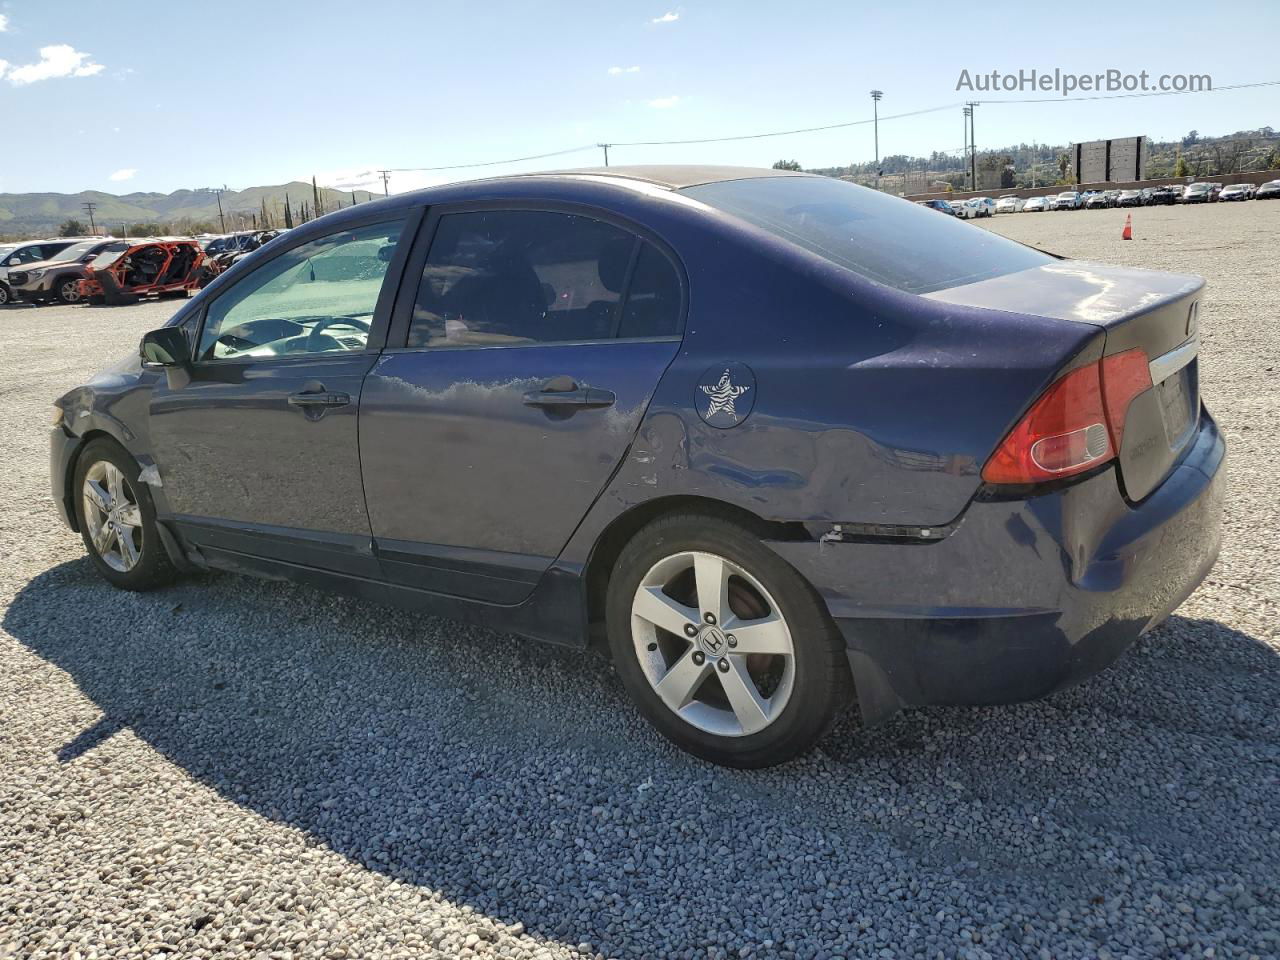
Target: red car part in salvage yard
[[156, 266]]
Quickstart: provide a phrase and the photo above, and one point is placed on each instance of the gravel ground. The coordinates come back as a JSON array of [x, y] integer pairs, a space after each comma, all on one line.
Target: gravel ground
[[241, 768]]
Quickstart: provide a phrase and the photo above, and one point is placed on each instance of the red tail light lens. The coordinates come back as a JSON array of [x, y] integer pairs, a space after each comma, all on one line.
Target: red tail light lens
[[1124, 376], [1076, 424]]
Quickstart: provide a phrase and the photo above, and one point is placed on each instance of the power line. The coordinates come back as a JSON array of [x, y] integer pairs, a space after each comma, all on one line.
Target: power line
[[496, 163], [779, 133], [786, 133], [1127, 96]]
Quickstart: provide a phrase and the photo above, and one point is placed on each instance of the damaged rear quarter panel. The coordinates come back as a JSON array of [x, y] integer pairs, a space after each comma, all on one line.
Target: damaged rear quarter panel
[[872, 405]]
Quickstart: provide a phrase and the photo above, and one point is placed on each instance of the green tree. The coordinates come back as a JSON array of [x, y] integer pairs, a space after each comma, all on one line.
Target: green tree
[[786, 165], [1273, 159], [1180, 167], [71, 228]]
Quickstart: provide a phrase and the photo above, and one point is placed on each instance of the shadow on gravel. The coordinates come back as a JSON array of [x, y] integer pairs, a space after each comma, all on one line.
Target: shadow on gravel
[[517, 779]]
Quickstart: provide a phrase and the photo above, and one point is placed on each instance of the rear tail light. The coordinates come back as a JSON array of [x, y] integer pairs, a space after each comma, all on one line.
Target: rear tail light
[[1075, 425]]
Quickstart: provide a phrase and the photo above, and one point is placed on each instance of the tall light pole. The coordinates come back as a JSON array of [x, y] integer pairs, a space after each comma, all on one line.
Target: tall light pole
[[968, 112], [875, 124], [973, 145]]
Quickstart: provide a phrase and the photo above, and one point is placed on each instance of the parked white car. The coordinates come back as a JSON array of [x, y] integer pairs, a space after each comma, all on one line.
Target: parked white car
[[1066, 200], [1036, 205], [964, 209], [986, 206], [1010, 204]]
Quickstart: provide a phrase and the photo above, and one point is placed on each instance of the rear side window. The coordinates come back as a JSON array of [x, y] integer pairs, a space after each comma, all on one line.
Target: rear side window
[[510, 277], [653, 299], [880, 237]]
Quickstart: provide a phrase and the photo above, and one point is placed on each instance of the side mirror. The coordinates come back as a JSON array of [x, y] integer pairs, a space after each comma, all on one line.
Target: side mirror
[[166, 347]]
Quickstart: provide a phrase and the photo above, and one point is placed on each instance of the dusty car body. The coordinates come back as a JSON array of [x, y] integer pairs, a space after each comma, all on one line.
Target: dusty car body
[[120, 276], [781, 442]]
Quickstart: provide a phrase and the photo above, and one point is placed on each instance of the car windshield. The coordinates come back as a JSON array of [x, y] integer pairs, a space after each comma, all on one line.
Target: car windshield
[[877, 236], [76, 250], [1067, 194]]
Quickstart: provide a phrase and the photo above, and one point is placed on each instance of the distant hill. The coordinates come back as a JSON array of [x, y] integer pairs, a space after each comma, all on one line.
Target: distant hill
[[183, 211]]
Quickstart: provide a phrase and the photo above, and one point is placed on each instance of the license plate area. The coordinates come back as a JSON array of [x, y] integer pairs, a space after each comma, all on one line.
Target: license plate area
[[1180, 404]]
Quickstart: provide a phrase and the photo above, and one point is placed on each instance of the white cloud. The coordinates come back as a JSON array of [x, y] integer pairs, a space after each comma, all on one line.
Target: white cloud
[[669, 17], [4, 65], [4, 23], [59, 60], [663, 103], [125, 174], [614, 71]]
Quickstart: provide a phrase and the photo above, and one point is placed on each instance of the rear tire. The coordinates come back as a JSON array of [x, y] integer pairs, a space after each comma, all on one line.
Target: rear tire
[[722, 645], [4, 295], [117, 518]]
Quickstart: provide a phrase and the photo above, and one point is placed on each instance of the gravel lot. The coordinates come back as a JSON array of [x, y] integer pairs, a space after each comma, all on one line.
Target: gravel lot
[[240, 768]]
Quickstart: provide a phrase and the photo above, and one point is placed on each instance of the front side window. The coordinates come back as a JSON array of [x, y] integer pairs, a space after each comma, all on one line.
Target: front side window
[[316, 298], [880, 237], [506, 277], [31, 254]]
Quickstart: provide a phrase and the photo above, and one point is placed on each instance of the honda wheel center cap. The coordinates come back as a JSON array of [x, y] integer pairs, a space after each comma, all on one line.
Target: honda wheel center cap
[[712, 641]]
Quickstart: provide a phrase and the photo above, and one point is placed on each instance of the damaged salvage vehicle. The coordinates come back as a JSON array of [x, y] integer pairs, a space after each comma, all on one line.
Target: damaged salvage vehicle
[[128, 272], [781, 444], [57, 278]]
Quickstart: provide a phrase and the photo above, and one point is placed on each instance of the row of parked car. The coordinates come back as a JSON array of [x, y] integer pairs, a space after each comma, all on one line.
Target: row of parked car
[[107, 270], [1102, 199]]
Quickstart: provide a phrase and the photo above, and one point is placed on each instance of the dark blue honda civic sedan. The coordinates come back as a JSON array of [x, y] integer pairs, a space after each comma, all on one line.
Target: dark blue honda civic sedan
[[782, 444]]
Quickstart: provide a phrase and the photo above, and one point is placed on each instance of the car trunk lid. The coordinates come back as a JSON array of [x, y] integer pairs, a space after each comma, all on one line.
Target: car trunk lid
[[1135, 308]]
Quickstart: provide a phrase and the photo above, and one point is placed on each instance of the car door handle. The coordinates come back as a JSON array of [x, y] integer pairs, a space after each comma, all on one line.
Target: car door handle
[[319, 398], [577, 397]]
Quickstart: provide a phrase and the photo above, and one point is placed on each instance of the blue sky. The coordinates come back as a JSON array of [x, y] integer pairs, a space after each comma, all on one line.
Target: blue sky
[[104, 95]]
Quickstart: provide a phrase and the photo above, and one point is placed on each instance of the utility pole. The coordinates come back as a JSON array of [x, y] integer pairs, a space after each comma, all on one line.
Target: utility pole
[[605, 148], [973, 145], [875, 124], [222, 220], [967, 112], [386, 176], [89, 207]]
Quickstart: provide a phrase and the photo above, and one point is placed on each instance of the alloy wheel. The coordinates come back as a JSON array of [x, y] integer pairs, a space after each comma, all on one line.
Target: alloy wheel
[[713, 644], [112, 516], [69, 291]]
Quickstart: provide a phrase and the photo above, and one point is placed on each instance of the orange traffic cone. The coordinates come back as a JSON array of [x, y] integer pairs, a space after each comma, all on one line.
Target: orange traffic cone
[[1128, 227]]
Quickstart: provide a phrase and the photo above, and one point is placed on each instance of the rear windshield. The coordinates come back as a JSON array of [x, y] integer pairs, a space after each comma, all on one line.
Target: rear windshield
[[877, 236]]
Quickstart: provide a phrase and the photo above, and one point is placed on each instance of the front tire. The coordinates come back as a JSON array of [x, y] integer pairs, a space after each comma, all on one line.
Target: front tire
[[117, 518], [4, 295], [722, 645], [68, 290]]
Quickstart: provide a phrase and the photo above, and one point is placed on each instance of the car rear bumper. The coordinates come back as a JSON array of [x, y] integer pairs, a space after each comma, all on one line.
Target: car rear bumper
[[1024, 597]]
